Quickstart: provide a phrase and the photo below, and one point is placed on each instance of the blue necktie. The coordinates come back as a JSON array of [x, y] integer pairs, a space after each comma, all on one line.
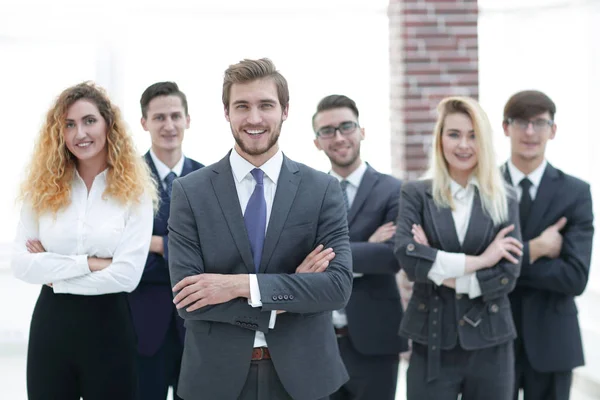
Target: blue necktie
[[255, 217], [169, 182]]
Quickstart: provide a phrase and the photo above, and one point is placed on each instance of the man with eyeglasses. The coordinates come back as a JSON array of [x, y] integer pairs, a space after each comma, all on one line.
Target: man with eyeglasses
[[367, 329], [557, 229]]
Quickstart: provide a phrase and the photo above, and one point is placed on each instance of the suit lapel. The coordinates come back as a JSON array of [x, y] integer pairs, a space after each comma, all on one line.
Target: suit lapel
[[187, 166], [287, 186], [479, 226], [224, 188], [367, 183], [548, 186], [161, 191], [443, 224]]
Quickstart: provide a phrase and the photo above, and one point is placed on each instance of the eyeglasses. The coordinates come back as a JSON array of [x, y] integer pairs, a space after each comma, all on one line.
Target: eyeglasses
[[539, 125], [346, 128]]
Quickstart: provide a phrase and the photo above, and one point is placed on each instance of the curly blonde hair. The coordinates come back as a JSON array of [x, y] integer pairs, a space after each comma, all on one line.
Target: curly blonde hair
[[52, 167]]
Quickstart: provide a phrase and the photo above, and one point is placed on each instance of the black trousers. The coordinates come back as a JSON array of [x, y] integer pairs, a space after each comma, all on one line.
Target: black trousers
[[161, 370], [263, 383], [81, 346], [478, 374], [539, 385], [371, 377]]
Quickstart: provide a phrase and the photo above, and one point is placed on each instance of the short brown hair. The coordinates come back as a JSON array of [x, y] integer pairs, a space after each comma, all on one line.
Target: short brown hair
[[161, 89], [250, 70], [527, 104], [334, 101]]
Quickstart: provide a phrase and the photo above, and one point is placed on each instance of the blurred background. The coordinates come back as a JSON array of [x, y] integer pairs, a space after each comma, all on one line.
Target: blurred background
[[396, 59]]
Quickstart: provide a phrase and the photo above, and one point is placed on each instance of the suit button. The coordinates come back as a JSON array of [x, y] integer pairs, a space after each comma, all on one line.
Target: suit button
[[274, 298], [458, 296], [494, 308], [285, 297], [504, 281], [291, 297], [433, 347], [410, 247], [461, 322], [434, 335], [280, 297], [238, 323], [435, 310], [435, 322], [421, 307]]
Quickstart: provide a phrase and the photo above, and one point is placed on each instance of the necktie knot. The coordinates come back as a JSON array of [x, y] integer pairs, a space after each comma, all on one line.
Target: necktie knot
[[525, 184], [258, 175], [344, 184]]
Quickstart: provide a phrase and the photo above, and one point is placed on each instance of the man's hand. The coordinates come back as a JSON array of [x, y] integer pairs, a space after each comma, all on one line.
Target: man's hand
[[157, 245], [549, 243], [384, 233], [419, 235], [208, 289], [316, 261]]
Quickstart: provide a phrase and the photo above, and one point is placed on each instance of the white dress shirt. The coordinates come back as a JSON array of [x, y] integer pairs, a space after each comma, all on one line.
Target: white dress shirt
[[244, 185], [452, 265], [92, 225], [516, 176], [354, 179], [163, 170]]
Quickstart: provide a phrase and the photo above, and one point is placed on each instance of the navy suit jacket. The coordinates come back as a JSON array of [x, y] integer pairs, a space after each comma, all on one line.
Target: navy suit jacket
[[151, 303], [374, 311], [543, 302]]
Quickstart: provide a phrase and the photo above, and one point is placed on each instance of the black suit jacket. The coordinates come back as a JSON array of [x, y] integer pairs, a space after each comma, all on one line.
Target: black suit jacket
[[374, 311], [544, 301], [152, 308]]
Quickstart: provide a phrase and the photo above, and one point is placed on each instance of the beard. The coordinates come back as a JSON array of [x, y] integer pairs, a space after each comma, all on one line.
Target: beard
[[274, 137], [345, 163]]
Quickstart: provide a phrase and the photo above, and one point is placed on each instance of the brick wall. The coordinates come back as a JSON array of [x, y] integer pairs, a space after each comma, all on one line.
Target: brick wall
[[433, 54]]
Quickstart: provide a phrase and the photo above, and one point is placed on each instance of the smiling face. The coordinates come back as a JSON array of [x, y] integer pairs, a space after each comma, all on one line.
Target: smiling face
[[166, 120], [459, 146], [85, 132], [255, 116], [343, 150]]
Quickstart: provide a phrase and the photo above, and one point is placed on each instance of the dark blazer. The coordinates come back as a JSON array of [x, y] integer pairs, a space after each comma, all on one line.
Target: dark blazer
[[544, 300], [207, 235], [436, 316], [151, 303], [374, 311]]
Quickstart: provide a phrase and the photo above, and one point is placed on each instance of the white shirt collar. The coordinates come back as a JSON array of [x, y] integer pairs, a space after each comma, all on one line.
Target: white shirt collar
[[162, 168], [242, 167], [459, 192], [535, 177], [355, 177]]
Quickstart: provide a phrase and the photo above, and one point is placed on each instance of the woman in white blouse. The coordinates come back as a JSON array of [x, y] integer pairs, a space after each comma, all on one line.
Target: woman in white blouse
[[458, 239], [84, 234]]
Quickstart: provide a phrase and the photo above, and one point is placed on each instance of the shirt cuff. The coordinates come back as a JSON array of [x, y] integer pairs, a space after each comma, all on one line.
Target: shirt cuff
[[357, 275], [273, 319], [446, 266], [468, 284], [82, 262], [255, 299]]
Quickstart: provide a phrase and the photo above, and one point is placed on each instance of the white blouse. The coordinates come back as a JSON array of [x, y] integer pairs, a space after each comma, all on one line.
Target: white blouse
[[92, 225]]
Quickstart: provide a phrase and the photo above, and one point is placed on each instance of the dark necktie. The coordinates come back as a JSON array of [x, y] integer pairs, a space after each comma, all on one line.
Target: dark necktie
[[169, 182], [255, 217], [525, 204], [344, 184]]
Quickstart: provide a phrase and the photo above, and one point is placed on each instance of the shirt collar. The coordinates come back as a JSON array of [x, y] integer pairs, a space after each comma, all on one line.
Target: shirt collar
[[535, 177], [242, 167], [355, 177], [459, 192], [162, 168]]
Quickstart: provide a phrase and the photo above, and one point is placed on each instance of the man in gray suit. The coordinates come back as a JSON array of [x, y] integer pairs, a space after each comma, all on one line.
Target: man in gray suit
[[367, 329], [259, 257]]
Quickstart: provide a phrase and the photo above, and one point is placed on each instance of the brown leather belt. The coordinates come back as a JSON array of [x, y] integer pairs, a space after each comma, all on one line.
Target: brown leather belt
[[261, 353], [341, 332]]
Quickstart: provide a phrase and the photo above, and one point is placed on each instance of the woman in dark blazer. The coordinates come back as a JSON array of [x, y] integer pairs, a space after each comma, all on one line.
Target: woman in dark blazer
[[458, 239]]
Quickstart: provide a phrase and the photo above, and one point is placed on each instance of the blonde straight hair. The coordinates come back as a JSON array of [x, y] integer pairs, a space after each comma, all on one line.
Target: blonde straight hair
[[492, 189]]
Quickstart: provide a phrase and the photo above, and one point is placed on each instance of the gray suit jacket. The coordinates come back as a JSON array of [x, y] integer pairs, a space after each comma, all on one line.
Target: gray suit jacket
[[436, 316], [207, 235]]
